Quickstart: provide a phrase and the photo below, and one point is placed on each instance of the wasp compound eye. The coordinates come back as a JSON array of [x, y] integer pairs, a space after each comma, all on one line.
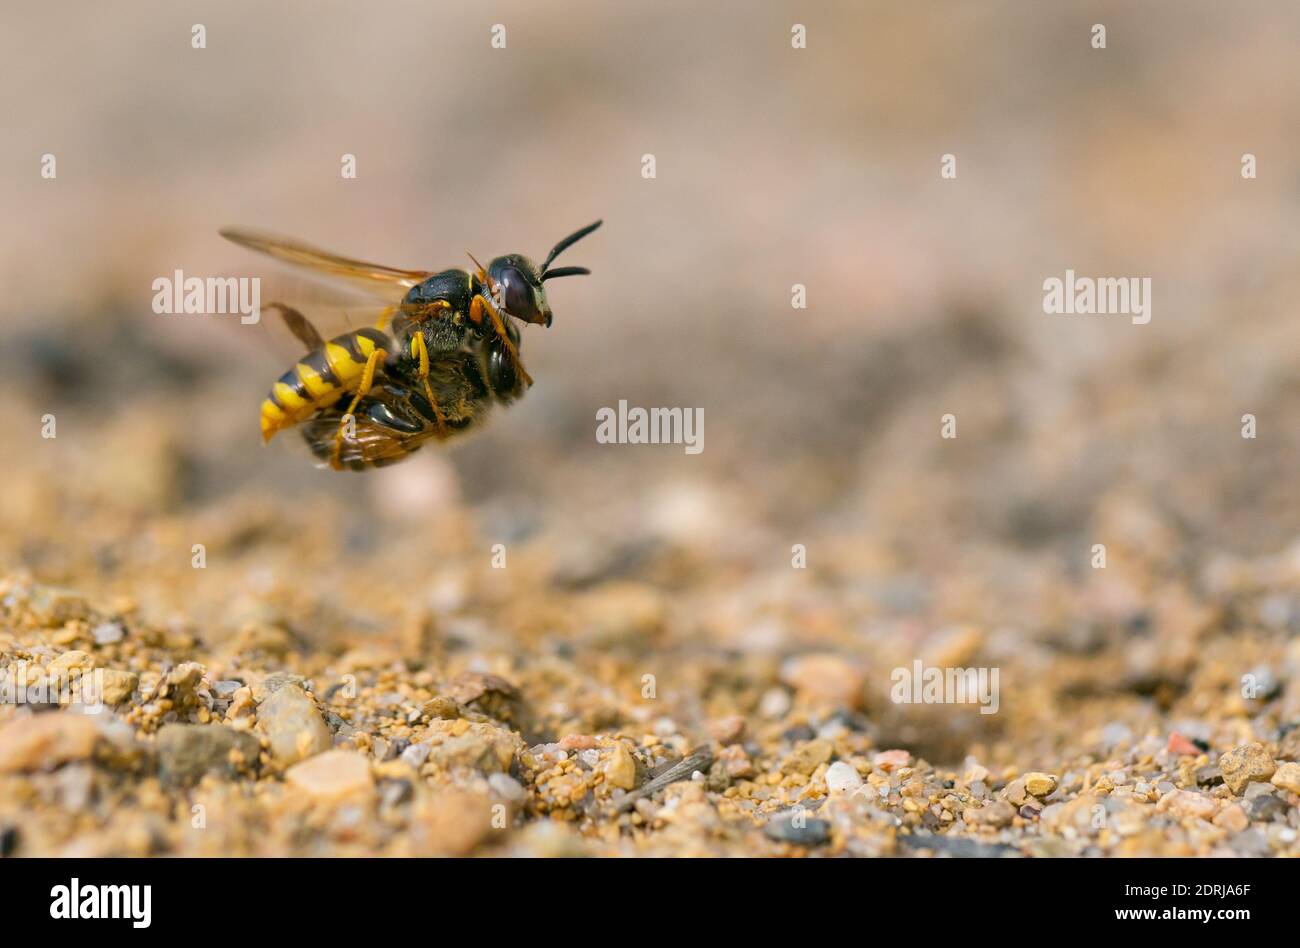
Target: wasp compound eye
[[517, 293]]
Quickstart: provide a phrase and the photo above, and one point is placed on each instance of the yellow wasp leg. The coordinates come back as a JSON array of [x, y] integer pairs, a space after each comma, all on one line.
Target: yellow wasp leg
[[367, 380], [385, 316], [476, 309], [420, 352]]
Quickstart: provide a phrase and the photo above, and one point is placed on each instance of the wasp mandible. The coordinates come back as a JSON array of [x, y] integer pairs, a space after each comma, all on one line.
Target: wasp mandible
[[449, 350]]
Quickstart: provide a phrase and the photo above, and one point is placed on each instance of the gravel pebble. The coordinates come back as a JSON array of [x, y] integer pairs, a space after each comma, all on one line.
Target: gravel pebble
[[507, 787], [800, 830], [44, 741], [1287, 777], [188, 751], [842, 777], [108, 633], [332, 775], [620, 768], [1040, 784], [118, 685], [1265, 808], [1244, 764], [293, 724]]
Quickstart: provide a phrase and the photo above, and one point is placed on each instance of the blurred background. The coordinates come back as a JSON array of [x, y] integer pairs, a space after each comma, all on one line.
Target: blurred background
[[775, 166]]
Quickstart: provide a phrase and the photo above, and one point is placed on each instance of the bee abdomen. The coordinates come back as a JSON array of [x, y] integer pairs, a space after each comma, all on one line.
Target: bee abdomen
[[320, 378]]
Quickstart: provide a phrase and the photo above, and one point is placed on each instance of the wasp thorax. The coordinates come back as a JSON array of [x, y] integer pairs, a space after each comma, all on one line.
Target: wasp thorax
[[521, 288]]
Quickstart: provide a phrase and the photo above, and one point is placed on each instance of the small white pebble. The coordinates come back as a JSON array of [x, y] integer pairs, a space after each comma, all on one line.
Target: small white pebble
[[663, 727], [975, 773], [108, 633], [506, 786], [774, 703], [416, 754], [831, 730], [842, 777]]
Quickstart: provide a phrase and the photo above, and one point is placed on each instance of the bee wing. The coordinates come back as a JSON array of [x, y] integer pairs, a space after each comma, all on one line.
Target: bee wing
[[304, 255]]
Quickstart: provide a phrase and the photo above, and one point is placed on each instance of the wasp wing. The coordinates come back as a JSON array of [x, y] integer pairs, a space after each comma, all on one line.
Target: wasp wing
[[304, 255]]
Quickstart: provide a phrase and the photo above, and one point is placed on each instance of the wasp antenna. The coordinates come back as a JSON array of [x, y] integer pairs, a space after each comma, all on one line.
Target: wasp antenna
[[475, 259], [569, 242], [565, 272]]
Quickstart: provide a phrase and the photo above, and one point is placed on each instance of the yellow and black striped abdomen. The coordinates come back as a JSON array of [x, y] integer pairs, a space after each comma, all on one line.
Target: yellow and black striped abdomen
[[320, 378]]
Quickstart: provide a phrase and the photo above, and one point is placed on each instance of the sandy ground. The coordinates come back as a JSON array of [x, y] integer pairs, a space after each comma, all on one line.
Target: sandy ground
[[532, 642]]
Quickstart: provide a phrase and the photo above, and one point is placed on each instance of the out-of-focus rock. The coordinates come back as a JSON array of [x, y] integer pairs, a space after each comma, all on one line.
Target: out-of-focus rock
[[824, 680], [332, 775], [44, 741], [188, 751], [292, 723]]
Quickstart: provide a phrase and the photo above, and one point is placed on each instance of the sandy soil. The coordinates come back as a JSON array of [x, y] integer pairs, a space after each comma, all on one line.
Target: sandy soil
[[536, 643]]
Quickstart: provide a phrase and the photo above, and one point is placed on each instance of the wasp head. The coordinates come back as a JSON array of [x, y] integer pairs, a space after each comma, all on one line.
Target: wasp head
[[521, 290], [521, 280]]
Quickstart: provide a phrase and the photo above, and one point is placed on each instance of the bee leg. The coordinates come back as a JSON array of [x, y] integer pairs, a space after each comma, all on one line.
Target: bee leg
[[367, 380], [476, 310], [420, 352]]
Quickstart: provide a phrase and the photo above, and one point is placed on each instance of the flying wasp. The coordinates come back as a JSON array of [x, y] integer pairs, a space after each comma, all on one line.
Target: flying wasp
[[430, 368]]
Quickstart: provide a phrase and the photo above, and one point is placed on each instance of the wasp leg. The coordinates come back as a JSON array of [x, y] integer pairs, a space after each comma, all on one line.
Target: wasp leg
[[482, 303], [476, 309], [367, 380], [299, 325], [420, 352], [481, 276]]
